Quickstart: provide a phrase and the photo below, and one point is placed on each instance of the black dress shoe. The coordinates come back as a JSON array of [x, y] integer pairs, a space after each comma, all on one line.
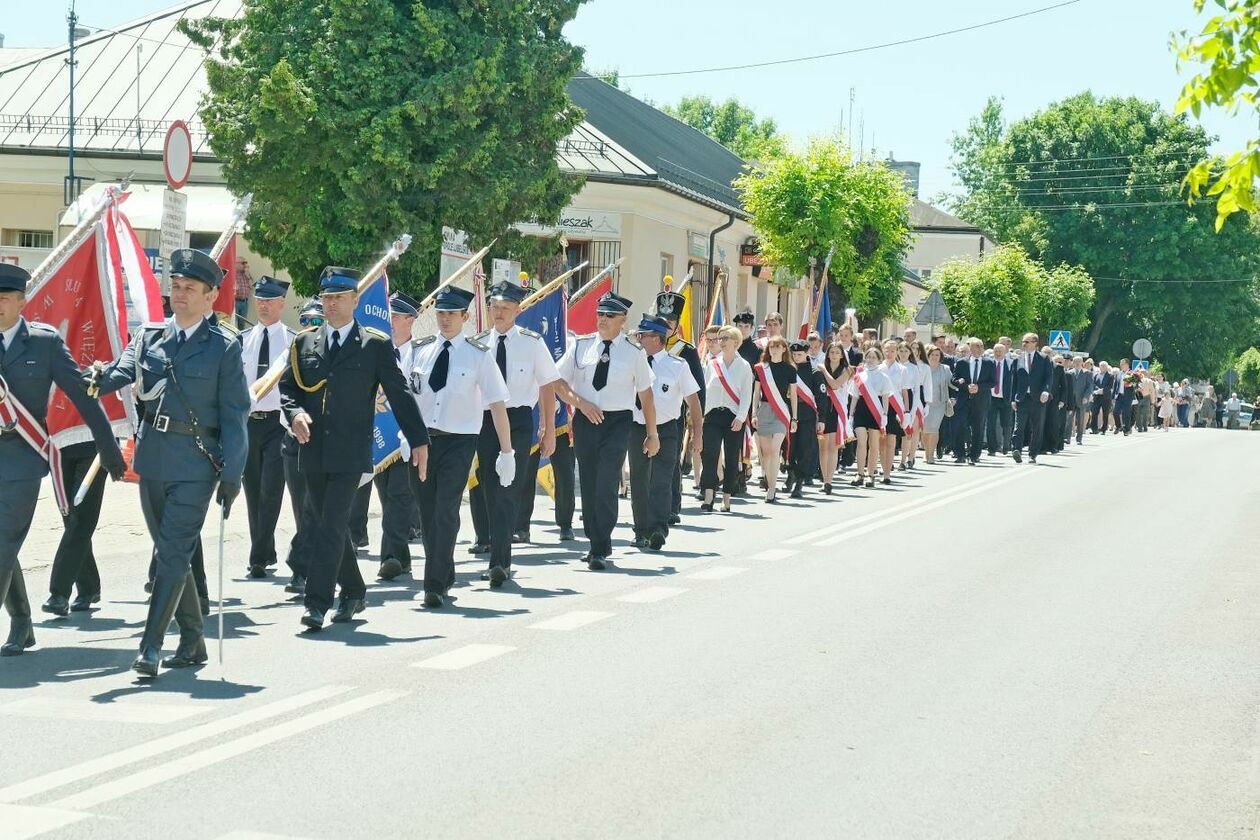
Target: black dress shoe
[[707, 507], [296, 584], [960, 460], [497, 575], [637, 542], [1018, 456], [148, 587], [597, 563], [520, 537], [83, 602], [361, 542], [656, 540], [479, 548], [674, 519], [313, 619], [257, 572], [57, 605], [186, 656], [390, 569], [146, 664], [433, 600], [1032, 459], [347, 609], [796, 493], [566, 535]]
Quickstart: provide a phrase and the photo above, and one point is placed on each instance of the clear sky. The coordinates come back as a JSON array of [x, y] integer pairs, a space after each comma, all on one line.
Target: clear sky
[[911, 99]]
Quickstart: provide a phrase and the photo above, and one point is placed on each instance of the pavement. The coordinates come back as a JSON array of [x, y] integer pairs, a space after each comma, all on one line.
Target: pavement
[[1064, 650]]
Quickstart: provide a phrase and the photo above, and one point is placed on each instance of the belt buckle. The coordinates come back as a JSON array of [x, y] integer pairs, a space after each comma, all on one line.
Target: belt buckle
[[162, 422]]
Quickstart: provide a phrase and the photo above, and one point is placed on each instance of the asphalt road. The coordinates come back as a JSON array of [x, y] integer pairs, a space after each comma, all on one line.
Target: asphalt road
[[1063, 650]]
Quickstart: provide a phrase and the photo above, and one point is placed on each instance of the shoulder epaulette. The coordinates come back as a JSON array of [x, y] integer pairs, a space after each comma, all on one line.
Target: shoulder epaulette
[[153, 325], [476, 344], [530, 333], [290, 331], [374, 332], [677, 350], [40, 325], [421, 342], [481, 335]]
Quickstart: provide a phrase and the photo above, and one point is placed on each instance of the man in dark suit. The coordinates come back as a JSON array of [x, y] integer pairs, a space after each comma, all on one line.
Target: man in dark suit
[[1104, 397], [998, 423], [1126, 393], [1056, 408], [328, 394], [1033, 381], [974, 377]]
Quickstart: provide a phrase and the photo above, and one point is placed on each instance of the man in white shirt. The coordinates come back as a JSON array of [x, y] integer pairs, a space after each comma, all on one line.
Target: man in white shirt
[[262, 345], [601, 376], [455, 380], [651, 477], [530, 373]]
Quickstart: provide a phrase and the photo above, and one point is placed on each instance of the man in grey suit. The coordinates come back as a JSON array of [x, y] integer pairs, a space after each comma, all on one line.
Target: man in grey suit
[[194, 404], [32, 358]]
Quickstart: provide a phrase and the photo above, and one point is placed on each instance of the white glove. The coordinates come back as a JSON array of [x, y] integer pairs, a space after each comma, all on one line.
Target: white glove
[[505, 466]]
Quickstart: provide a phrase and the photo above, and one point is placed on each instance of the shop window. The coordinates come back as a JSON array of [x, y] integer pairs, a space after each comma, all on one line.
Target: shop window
[[667, 265], [29, 238]]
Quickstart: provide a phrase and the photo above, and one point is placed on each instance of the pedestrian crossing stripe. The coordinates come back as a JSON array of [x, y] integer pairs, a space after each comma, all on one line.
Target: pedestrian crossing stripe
[[1060, 340]]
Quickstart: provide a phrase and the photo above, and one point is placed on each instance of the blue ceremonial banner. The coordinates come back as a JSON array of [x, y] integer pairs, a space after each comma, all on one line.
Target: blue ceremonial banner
[[824, 313], [373, 311], [548, 318]]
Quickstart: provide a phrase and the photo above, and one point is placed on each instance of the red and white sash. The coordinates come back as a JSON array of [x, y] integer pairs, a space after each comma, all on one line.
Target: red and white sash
[[720, 369], [804, 394], [772, 396], [843, 430], [15, 416], [872, 403], [894, 399]]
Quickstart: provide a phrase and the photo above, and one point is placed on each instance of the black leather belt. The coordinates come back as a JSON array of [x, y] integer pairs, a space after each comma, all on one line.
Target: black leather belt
[[164, 423], [264, 415]]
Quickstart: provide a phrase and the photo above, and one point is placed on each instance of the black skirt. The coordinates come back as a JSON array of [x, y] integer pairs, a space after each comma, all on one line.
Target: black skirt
[[894, 425], [863, 418]]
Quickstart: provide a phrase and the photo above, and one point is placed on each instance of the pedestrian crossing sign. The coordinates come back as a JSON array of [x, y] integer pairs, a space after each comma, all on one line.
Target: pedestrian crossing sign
[[1060, 340], [1141, 364]]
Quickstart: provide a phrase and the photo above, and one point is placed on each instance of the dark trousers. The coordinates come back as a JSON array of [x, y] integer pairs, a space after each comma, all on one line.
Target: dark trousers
[[17, 509], [1102, 410], [719, 440], [651, 479], [303, 516], [495, 508], [357, 525], [450, 458], [1124, 414], [263, 484], [999, 428], [1052, 428], [803, 453], [1030, 419], [969, 431], [174, 512], [600, 452], [562, 471], [398, 502], [330, 557], [74, 563], [675, 507]]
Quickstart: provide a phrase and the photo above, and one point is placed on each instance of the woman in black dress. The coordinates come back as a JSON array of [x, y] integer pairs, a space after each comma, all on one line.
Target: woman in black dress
[[803, 449]]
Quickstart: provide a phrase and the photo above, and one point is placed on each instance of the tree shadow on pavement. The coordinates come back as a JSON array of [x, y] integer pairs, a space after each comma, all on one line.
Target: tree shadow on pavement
[[453, 608], [45, 666], [181, 681], [87, 625], [664, 571], [359, 638], [511, 587]]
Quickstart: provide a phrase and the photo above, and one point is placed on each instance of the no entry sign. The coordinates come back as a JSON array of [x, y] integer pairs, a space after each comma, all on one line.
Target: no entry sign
[[177, 154]]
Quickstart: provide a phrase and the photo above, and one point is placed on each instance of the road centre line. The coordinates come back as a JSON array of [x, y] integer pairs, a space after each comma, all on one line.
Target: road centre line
[[874, 526], [130, 755], [182, 766], [571, 620], [463, 657]]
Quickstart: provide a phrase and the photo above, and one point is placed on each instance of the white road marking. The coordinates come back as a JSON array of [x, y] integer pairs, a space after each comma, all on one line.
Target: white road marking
[[18, 822], [651, 595], [773, 554], [717, 573], [256, 835], [167, 743], [463, 657], [918, 509], [116, 712], [182, 766], [572, 620]]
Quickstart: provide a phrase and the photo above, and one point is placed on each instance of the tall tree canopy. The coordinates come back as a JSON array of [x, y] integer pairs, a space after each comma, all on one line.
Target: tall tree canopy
[[354, 120], [1095, 182], [732, 124], [803, 204]]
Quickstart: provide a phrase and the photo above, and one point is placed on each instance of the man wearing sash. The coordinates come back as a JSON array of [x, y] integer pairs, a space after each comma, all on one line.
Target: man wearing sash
[[33, 358], [729, 392], [190, 383], [651, 478]]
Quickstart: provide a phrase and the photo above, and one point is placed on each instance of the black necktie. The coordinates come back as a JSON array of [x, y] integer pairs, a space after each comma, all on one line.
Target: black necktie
[[500, 356], [179, 340], [638, 404], [1, 345], [334, 344], [437, 378], [397, 355], [601, 369], [264, 354]]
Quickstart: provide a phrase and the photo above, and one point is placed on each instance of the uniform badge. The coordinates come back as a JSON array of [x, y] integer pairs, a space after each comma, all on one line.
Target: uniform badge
[[603, 357], [664, 388]]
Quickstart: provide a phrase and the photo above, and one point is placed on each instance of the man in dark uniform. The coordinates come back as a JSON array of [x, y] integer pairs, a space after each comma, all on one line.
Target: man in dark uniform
[[455, 380], [261, 346], [669, 306], [529, 373], [32, 359], [328, 393], [74, 564], [601, 376], [194, 404], [312, 315]]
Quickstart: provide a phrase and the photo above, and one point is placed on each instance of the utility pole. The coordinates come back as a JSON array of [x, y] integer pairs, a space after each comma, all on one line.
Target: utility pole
[[70, 192]]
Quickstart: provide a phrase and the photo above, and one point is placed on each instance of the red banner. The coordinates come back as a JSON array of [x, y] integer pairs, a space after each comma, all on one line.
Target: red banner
[[226, 301], [582, 313]]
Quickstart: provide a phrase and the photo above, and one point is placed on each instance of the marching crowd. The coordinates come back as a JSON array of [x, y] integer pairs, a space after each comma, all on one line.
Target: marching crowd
[[840, 407]]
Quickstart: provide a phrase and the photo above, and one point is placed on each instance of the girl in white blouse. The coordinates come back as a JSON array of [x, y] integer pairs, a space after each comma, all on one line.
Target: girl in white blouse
[[727, 401]]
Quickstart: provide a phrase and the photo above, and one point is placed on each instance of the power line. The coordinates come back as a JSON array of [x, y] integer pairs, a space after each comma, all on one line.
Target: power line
[[1085, 205], [1191, 146], [1178, 280], [855, 50]]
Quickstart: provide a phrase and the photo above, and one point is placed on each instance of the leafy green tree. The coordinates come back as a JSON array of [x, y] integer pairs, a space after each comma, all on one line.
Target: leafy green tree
[[993, 297], [1248, 367], [354, 120], [1062, 298], [1096, 183], [732, 124], [1229, 46], [804, 204]]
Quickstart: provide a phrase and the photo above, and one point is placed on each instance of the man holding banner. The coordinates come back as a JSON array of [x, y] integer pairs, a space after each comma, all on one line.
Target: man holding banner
[[32, 358], [529, 371]]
